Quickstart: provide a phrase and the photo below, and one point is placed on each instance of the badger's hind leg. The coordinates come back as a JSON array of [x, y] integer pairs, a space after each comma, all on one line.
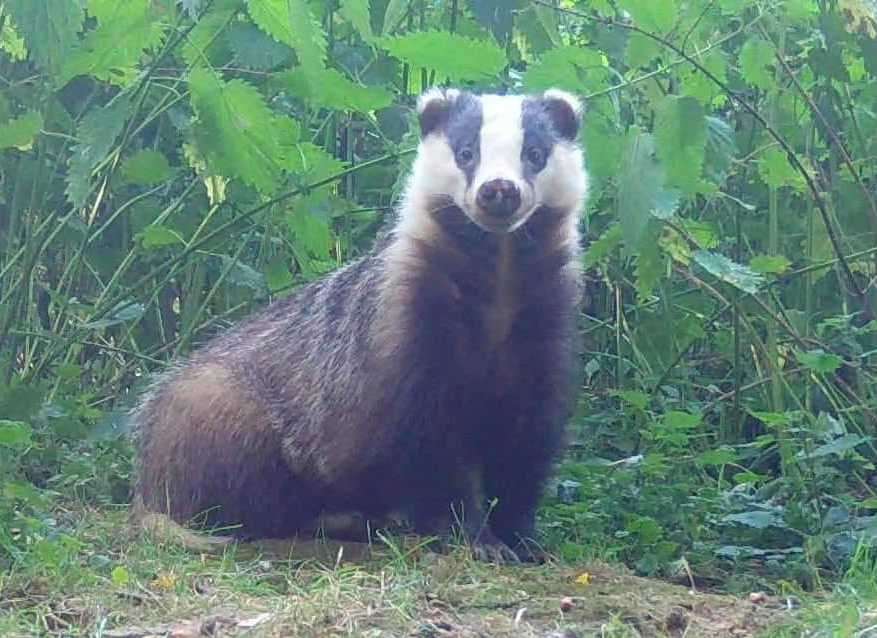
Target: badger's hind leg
[[210, 454]]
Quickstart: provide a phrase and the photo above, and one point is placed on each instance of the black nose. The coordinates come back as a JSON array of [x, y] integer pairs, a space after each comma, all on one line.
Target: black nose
[[499, 198]]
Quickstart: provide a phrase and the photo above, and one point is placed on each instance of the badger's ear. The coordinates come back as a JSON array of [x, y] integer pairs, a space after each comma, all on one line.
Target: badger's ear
[[433, 109], [565, 111]]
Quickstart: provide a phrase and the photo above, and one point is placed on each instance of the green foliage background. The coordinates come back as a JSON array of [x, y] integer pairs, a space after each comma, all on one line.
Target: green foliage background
[[167, 166]]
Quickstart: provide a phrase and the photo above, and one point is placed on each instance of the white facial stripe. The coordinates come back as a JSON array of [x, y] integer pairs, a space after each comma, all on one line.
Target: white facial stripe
[[501, 139]]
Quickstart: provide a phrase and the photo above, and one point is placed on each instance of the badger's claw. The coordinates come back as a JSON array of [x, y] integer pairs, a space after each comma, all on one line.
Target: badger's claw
[[494, 551]]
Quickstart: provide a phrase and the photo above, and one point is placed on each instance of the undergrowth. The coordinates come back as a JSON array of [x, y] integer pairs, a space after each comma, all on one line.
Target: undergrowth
[[169, 166]]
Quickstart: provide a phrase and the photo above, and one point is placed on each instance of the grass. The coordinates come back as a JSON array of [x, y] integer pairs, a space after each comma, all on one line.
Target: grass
[[98, 580]]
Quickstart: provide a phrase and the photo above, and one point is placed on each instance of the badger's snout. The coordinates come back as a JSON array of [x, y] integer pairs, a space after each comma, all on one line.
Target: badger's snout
[[499, 198]]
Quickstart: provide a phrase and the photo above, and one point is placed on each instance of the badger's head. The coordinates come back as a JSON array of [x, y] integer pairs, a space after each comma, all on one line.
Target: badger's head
[[499, 158]]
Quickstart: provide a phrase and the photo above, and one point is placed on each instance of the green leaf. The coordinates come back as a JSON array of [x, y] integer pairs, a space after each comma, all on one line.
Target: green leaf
[[203, 41], [776, 171], [652, 16], [640, 189], [49, 28], [11, 42], [123, 312], [291, 22], [254, 49], [721, 148], [600, 249], [14, 434], [650, 262], [681, 420], [773, 419], [96, 134], [458, 57], [837, 447], [393, 15], [156, 236], [755, 58], [241, 274], [277, 275], [120, 576], [819, 361], [716, 457], [311, 163], [112, 51], [572, 68], [236, 130], [758, 519], [641, 50], [21, 132], [329, 88], [146, 167], [729, 271], [358, 13], [637, 399], [680, 136], [772, 264]]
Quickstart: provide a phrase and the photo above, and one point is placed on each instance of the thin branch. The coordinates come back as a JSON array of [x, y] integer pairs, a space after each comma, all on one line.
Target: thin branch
[[735, 97]]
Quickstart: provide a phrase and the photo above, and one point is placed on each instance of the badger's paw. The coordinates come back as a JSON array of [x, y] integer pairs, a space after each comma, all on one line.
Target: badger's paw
[[489, 549]]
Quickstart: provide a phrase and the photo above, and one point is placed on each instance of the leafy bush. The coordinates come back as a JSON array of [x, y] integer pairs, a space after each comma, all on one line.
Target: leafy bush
[[167, 166]]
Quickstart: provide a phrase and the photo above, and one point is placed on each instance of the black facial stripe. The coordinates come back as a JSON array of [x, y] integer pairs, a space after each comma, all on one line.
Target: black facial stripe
[[538, 134], [464, 132]]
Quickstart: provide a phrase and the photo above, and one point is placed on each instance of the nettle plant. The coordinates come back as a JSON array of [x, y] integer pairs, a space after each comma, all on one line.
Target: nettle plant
[[169, 165]]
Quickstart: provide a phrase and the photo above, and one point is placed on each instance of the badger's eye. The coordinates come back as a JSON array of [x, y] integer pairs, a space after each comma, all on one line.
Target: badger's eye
[[535, 156], [465, 155]]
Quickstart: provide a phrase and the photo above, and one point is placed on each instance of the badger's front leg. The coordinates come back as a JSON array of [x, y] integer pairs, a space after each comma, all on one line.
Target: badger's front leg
[[456, 504]]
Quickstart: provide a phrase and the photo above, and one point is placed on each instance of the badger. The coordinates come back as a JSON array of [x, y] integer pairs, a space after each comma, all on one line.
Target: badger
[[433, 376]]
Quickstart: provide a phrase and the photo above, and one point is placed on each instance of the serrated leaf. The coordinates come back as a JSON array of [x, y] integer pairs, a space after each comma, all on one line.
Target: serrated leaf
[[603, 247], [650, 262], [329, 88], [358, 13], [112, 51], [776, 171], [291, 22], [729, 271], [147, 167], [680, 136], [254, 49], [236, 130], [819, 361], [458, 57], [49, 27], [156, 236], [773, 264], [755, 56], [312, 163], [21, 132], [14, 434], [652, 16], [96, 134], [120, 576], [718, 456], [572, 68]]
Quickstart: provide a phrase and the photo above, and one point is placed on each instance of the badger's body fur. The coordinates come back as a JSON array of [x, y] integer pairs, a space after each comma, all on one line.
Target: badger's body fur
[[429, 377]]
